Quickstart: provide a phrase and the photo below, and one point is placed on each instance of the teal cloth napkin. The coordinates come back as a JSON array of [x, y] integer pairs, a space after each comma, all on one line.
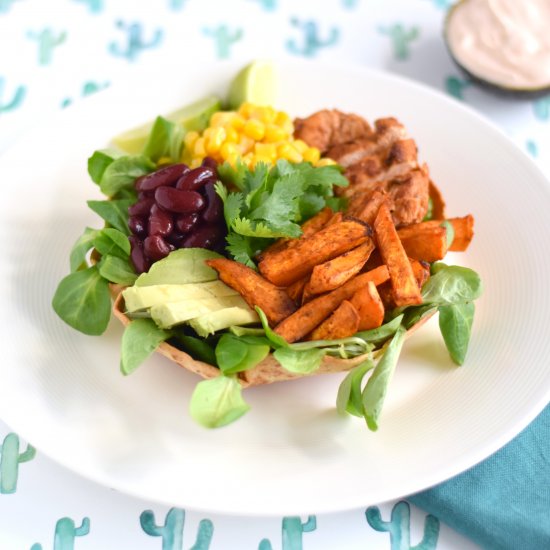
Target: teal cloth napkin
[[504, 502]]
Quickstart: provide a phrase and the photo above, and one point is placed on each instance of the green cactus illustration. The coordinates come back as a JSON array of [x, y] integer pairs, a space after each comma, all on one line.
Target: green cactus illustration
[[10, 458], [350, 4], [542, 108], [47, 40], [443, 4], [292, 530], [399, 527], [224, 39], [95, 6], [267, 5], [65, 534], [16, 99], [134, 41], [90, 87], [5, 5], [312, 41], [172, 530], [176, 5], [455, 86], [401, 39], [532, 148]]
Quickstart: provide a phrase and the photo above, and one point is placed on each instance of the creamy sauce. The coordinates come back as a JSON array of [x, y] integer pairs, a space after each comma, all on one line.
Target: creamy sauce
[[505, 42]]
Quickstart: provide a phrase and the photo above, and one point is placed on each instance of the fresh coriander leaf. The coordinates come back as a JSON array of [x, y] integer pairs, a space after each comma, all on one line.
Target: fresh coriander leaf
[[233, 205], [123, 172], [250, 228], [99, 161], [337, 203], [233, 176], [165, 140], [83, 301], [375, 391], [240, 249], [325, 176], [114, 212], [239, 353], [117, 270], [349, 393], [81, 248], [140, 339], [110, 241], [455, 324], [255, 183], [299, 361], [217, 402], [310, 204]]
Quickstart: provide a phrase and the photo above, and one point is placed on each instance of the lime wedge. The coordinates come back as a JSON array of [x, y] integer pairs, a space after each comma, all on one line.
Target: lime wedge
[[192, 117], [256, 83]]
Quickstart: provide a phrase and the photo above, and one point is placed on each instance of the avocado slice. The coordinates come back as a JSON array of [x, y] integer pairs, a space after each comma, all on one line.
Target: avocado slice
[[175, 313], [471, 67], [138, 298], [224, 318]]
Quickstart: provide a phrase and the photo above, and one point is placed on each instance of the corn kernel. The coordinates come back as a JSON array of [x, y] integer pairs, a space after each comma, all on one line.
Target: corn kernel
[[245, 144], [233, 158], [215, 140], [254, 129], [281, 118], [190, 139], [286, 151], [199, 148], [273, 134], [246, 109], [326, 162], [227, 150], [195, 163], [238, 122], [222, 118], [266, 150], [312, 154], [300, 146], [231, 135]]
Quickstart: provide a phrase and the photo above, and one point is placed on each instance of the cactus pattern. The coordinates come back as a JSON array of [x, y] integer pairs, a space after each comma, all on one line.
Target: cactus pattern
[[224, 39], [350, 4], [95, 6], [5, 5], [172, 530], [47, 41], [292, 530], [443, 4], [16, 100], [532, 148], [401, 39], [542, 108], [399, 527], [176, 5], [312, 42], [455, 86], [65, 534], [10, 458], [134, 41], [268, 5]]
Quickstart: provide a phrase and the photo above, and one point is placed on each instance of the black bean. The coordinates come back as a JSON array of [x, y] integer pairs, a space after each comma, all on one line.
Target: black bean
[[182, 202]]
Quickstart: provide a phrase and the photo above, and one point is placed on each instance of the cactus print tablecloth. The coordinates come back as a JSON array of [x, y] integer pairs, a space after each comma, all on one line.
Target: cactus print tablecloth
[[54, 53]]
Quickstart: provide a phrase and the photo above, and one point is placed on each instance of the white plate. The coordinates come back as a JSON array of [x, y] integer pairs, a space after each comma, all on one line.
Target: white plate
[[291, 453]]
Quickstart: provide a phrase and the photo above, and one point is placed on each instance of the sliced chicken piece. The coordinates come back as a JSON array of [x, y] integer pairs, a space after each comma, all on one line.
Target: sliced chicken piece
[[329, 128]]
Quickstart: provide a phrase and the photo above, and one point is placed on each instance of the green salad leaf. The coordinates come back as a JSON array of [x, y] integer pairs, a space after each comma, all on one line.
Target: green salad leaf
[[165, 140], [80, 249], [114, 212], [217, 402], [117, 270], [239, 353], [455, 324]]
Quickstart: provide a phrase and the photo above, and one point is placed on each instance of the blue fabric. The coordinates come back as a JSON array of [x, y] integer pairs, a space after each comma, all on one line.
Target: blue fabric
[[504, 502]]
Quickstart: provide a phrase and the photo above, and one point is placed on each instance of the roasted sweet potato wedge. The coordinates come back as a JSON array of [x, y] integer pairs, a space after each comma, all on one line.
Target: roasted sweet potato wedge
[[369, 306], [274, 301], [334, 273], [404, 285], [311, 315], [424, 241], [287, 266], [342, 323]]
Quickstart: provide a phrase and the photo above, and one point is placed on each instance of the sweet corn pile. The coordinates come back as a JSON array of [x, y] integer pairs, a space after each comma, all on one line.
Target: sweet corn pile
[[252, 134]]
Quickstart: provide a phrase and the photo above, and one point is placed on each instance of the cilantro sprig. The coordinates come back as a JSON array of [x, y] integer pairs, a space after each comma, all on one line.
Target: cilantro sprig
[[271, 202]]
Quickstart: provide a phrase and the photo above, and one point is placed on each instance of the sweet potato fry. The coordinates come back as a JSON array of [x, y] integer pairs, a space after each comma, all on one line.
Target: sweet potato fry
[[342, 323], [424, 241], [369, 306], [366, 210], [464, 233], [314, 224], [334, 273], [312, 314], [256, 291], [421, 272], [296, 289], [287, 266], [405, 288]]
